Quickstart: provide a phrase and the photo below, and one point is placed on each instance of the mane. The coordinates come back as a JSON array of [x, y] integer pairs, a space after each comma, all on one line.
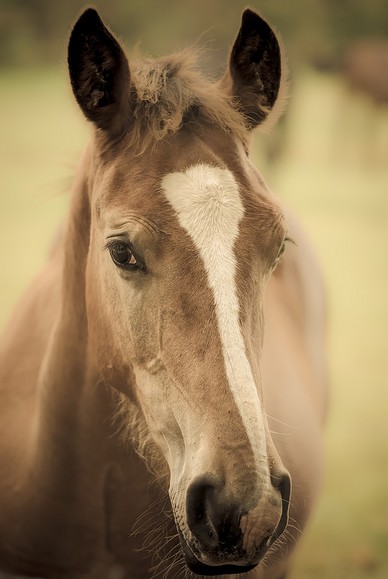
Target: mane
[[171, 92]]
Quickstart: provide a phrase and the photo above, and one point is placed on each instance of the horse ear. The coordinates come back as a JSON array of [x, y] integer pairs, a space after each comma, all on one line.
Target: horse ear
[[255, 69], [99, 74]]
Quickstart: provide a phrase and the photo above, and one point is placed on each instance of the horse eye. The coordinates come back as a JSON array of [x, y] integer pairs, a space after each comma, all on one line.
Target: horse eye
[[122, 255], [282, 249], [279, 255]]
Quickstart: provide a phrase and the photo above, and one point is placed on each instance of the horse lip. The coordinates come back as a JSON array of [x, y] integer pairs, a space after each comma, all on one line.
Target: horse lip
[[196, 566]]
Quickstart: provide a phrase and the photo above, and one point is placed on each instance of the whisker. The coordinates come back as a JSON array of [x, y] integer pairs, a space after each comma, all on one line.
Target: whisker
[[280, 433], [281, 422]]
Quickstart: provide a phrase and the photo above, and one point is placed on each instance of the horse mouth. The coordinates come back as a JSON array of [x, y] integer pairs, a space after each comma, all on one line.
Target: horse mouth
[[200, 568], [196, 566]]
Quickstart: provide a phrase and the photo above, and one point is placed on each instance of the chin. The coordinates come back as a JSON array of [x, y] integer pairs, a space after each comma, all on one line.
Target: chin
[[199, 568]]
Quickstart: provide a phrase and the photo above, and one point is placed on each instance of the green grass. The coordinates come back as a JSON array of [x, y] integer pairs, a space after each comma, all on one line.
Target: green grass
[[334, 173]]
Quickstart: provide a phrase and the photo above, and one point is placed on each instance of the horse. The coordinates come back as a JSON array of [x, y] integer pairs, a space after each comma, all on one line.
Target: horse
[[150, 425]]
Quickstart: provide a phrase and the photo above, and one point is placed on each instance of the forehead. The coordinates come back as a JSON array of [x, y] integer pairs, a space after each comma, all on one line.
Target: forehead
[[212, 169]]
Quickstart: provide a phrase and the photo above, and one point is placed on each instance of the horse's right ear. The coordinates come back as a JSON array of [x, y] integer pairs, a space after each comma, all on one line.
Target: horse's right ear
[[99, 74]]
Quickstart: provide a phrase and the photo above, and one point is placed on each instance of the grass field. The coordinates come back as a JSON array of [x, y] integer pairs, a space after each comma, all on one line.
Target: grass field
[[334, 173]]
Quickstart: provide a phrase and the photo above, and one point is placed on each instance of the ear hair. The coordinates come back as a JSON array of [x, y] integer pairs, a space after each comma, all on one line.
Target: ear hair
[[99, 73]]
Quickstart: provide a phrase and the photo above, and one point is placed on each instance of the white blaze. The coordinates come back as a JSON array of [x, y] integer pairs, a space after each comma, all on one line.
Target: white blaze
[[209, 208]]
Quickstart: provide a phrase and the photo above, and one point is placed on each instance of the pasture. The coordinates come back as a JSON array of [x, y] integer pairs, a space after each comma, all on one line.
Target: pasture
[[334, 173]]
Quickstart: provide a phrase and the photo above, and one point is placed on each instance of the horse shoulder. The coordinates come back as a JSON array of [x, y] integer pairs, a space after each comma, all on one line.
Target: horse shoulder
[[22, 348]]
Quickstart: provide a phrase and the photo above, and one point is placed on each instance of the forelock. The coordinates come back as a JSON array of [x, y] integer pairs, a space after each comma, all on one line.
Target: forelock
[[171, 92]]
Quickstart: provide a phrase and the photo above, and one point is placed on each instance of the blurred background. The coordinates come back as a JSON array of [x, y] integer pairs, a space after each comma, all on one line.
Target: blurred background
[[327, 159]]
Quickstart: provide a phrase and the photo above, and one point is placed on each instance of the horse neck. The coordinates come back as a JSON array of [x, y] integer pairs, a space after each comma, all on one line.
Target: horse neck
[[69, 404]]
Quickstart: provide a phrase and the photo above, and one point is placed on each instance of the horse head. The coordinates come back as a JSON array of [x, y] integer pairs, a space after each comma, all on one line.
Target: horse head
[[183, 238]]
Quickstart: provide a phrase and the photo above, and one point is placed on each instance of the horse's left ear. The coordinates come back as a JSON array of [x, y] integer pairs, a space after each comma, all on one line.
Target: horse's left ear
[[99, 74], [255, 69]]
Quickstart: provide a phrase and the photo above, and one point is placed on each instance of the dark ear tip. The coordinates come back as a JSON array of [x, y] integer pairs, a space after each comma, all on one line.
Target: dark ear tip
[[249, 13], [253, 22], [89, 23], [88, 19]]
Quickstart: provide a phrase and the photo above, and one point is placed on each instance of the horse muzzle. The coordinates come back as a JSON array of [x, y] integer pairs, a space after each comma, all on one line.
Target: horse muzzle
[[200, 568], [221, 538]]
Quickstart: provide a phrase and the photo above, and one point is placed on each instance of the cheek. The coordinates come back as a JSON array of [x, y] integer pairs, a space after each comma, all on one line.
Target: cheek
[[141, 322], [251, 297], [110, 307], [153, 393]]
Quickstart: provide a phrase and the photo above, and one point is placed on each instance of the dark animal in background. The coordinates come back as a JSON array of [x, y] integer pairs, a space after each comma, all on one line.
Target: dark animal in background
[[365, 68]]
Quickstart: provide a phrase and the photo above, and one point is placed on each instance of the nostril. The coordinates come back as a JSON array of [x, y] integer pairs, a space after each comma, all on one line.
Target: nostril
[[199, 497], [208, 517], [283, 484], [285, 488]]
